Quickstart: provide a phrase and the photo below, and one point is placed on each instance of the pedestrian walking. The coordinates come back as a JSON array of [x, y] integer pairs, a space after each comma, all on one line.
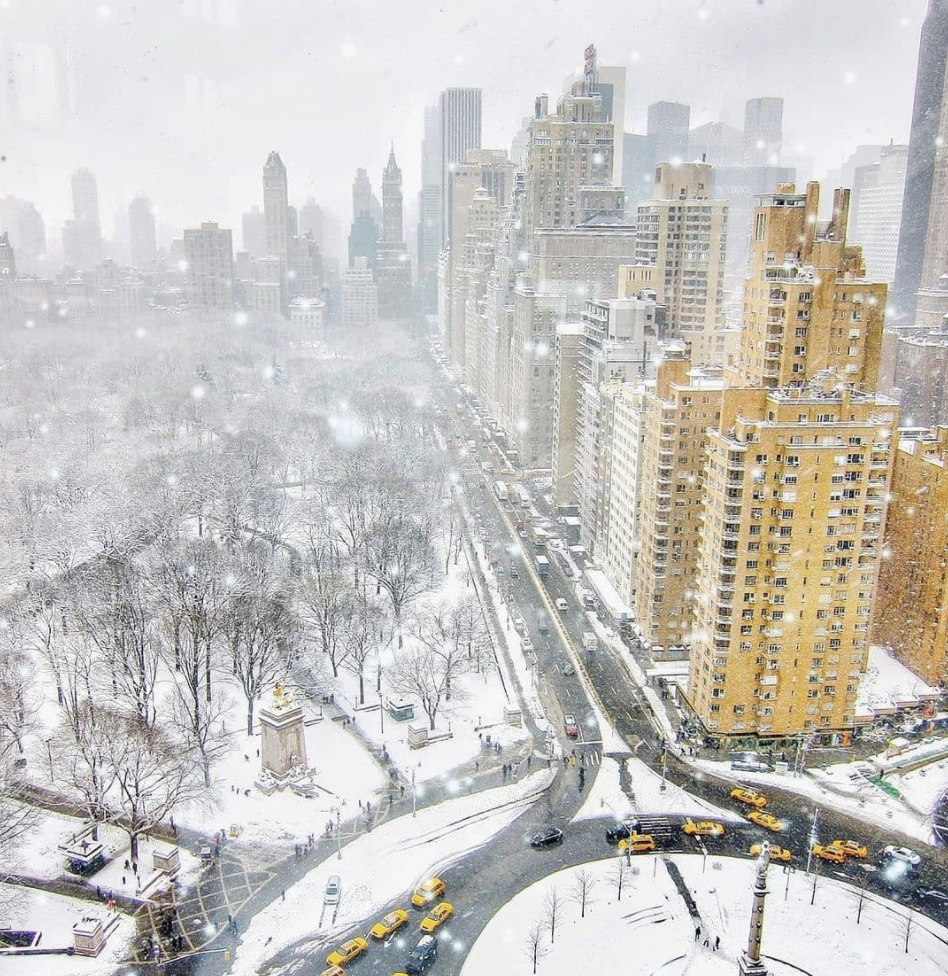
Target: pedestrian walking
[[529, 760], [706, 942], [717, 942], [402, 788], [360, 804], [123, 880], [697, 933], [128, 864], [477, 766], [283, 893]]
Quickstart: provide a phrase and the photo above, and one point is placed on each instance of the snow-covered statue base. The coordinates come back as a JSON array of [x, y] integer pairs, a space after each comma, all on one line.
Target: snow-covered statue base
[[283, 742]]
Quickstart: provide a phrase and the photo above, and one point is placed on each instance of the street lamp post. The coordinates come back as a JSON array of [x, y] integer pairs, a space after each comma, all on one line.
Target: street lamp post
[[338, 834], [809, 853], [664, 762], [414, 810]]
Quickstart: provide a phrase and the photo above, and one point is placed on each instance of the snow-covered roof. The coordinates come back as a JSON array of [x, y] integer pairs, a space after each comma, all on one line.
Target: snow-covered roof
[[889, 686]]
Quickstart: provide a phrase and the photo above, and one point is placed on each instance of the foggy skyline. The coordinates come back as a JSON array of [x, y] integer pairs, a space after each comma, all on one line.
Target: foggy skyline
[[183, 101]]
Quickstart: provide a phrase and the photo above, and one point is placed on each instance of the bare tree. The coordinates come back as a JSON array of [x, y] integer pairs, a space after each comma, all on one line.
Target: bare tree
[[582, 889], [361, 638], [861, 887], [327, 602], [817, 866], [533, 946], [619, 874], [419, 673], [261, 626], [553, 906], [400, 558], [909, 924]]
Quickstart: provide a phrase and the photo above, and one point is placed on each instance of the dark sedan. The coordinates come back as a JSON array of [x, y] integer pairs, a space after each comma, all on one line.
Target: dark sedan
[[549, 837]]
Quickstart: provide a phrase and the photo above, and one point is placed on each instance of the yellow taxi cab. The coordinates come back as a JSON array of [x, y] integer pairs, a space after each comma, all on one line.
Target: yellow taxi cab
[[437, 917], [347, 951], [427, 891], [767, 820], [637, 843], [703, 828], [776, 853], [829, 852], [391, 923], [749, 797], [851, 848]]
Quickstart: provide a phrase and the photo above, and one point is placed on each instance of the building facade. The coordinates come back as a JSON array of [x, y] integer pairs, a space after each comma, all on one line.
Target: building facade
[[360, 307], [877, 211], [393, 265], [209, 254], [143, 242]]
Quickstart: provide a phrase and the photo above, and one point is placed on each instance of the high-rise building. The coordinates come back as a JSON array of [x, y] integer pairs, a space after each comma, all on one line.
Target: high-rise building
[[716, 143], [611, 82], [566, 394], [668, 125], [209, 253], [459, 127], [275, 206], [143, 242], [638, 168], [84, 238], [911, 614], [763, 131], [794, 493], [24, 223], [877, 211], [922, 377], [429, 210], [677, 413], [359, 296], [568, 150], [393, 265], [363, 199], [304, 272], [254, 232], [808, 305], [680, 252], [7, 257], [928, 153]]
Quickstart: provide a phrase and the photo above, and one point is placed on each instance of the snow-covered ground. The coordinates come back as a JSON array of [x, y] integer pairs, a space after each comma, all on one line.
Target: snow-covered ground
[[54, 916], [606, 798], [344, 772], [652, 921], [834, 788], [411, 849], [922, 788]]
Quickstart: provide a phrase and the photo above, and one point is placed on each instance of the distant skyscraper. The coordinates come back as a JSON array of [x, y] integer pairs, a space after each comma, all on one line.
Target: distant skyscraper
[[363, 200], [209, 253], [359, 296], [275, 206], [393, 267], [929, 139], [24, 223], [668, 125], [763, 131], [7, 258], [143, 242], [429, 210], [87, 228], [254, 237], [460, 129], [877, 211]]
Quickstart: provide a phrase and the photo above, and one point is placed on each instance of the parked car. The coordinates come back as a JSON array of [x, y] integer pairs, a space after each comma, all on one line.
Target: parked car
[[776, 853], [570, 726], [389, 924], [437, 917], [933, 894], [427, 892], [422, 957], [767, 820], [548, 837], [852, 848], [637, 844], [561, 605], [333, 890], [904, 854], [751, 797], [569, 670], [703, 828], [347, 951], [828, 852]]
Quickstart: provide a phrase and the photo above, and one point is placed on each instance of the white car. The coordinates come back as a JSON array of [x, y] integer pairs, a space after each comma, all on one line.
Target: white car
[[333, 890], [561, 605], [904, 854]]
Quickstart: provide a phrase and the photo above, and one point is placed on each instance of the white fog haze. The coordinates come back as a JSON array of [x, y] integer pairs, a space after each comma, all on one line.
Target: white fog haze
[[473, 487]]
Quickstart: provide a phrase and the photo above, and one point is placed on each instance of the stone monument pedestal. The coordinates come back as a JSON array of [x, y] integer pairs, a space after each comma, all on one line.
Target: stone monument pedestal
[[283, 743]]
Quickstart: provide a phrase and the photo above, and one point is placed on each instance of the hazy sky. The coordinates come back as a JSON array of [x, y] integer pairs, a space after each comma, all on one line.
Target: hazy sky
[[183, 99]]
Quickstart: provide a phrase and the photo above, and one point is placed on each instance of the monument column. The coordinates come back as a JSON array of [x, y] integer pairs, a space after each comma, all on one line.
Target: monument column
[[750, 963], [283, 744]]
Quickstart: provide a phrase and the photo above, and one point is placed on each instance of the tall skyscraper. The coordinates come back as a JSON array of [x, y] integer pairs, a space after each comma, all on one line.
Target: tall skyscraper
[[668, 125], [799, 319], [393, 266], [85, 237], [570, 149], [7, 257], [928, 142], [460, 130], [429, 210], [27, 231], [877, 196], [680, 251], [209, 253], [763, 131], [143, 242], [254, 232], [275, 206], [363, 199]]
